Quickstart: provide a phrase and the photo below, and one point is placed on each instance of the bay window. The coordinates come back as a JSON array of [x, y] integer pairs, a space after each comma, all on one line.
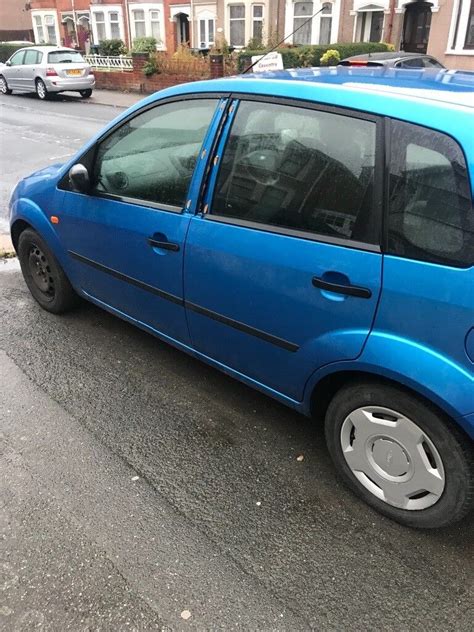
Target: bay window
[[302, 11], [106, 23], [325, 24], [206, 32], [45, 27], [237, 24], [462, 28], [257, 22]]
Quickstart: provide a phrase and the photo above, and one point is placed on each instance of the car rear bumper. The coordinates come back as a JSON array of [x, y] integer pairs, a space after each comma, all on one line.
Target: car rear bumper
[[55, 84]]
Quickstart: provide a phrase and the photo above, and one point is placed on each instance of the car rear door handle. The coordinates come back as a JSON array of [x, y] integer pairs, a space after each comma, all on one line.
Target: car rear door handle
[[164, 245], [338, 288]]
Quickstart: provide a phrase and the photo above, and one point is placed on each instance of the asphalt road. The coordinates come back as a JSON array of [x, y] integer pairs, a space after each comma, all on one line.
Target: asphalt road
[[140, 486], [34, 134]]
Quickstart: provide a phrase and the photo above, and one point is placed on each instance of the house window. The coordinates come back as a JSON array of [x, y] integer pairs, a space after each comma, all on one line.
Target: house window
[[325, 24], [257, 22], [237, 24], [139, 23], [100, 25], [469, 42], [44, 25], [114, 25], [462, 28], [206, 33], [302, 11], [155, 25], [369, 26]]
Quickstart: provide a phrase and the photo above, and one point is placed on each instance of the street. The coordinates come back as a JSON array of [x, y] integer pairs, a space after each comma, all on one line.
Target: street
[[144, 490]]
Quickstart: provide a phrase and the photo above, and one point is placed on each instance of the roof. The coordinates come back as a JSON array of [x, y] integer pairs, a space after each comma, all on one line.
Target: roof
[[389, 56], [48, 49]]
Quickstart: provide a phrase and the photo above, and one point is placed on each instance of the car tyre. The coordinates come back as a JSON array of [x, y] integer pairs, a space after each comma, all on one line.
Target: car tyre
[[391, 431], [85, 94], [4, 89], [41, 91], [43, 275]]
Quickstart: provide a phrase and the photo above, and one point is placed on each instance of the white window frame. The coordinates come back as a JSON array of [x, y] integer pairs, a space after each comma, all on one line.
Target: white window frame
[[458, 49], [206, 17], [259, 19], [368, 13], [107, 9], [42, 15], [316, 23], [244, 20], [148, 10]]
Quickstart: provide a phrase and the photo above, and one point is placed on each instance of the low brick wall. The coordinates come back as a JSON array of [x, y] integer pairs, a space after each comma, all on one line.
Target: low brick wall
[[137, 81]]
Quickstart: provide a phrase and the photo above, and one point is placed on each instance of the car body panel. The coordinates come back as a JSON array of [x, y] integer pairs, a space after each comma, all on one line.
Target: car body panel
[[402, 346]]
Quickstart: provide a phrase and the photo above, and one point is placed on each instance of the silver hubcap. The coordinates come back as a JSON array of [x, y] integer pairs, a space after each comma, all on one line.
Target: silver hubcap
[[40, 89], [392, 457]]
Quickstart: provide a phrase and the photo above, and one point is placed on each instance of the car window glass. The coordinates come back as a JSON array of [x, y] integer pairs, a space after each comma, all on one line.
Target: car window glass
[[300, 169], [152, 156], [431, 63], [65, 57], [430, 209], [39, 57], [31, 57], [416, 62], [17, 59]]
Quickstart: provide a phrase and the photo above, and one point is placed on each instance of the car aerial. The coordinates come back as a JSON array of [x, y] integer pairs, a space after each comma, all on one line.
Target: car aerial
[[398, 59], [47, 70], [310, 233]]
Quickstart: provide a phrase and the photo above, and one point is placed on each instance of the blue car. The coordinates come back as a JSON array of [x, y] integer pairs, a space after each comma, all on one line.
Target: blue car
[[310, 233]]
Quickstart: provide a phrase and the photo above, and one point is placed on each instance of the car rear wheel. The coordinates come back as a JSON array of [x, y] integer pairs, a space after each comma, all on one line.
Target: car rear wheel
[[43, 275], [85, 94], [400, 455], [41, 90], [4, 89]]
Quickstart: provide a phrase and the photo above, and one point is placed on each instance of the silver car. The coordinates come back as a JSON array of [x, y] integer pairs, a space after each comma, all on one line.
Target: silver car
[[46, 70]]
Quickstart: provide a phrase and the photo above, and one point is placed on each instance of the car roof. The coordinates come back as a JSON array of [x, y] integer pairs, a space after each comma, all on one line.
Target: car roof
[[49, 49], [388, 56]]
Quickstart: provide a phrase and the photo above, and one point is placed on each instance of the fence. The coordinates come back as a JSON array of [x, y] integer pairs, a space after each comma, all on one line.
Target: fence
[[121, 63]]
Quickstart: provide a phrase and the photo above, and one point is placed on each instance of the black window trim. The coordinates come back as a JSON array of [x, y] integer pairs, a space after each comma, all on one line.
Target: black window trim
[[386, 197], [379, 175], [89, 157]]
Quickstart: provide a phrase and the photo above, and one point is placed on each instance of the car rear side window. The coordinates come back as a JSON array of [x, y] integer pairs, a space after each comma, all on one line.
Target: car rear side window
[[299, 168], [430, 207], [152, 156], [31, 57]]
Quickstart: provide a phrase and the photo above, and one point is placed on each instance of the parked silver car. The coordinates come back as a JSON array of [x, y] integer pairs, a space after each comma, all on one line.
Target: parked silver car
[[46, 70]]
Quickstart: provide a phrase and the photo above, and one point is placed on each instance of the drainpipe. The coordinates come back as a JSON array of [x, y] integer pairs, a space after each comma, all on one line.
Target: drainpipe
[[390, 24], [127, 25]]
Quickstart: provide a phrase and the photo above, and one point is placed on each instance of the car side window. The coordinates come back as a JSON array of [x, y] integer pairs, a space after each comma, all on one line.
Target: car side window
[[301, 169], [31, 57], [413, 62], [17, 58], [152, 156], [430, 209]]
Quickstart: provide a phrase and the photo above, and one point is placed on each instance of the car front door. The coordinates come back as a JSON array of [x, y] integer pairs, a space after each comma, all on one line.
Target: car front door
[[126, 237], [12, 70], [283, 266], [26, 77]]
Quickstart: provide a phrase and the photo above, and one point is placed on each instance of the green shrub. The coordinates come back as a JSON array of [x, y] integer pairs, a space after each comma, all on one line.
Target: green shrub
[[7, 50], [151, 67], [302, 56], [144, 45], [330, 58], [112, 48]]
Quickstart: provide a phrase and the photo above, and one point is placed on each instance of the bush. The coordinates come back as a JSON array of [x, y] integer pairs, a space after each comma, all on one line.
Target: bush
[[144, 45], [7, 50], [301, 56], [112, 48], [330, 58]]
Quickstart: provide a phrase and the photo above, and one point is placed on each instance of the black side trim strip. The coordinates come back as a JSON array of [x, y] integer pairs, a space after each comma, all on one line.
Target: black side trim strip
[[338, 288], [279, 342], [128, 279], [258, 333]]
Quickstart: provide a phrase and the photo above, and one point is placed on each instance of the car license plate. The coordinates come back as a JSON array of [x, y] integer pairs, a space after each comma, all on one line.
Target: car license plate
[[73, 72]]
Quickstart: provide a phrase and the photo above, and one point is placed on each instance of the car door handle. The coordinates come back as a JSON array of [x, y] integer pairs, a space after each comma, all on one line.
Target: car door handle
[[164, 245], [338, 288]]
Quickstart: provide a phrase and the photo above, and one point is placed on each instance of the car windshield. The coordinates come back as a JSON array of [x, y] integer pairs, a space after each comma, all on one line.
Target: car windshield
[[65, 57]]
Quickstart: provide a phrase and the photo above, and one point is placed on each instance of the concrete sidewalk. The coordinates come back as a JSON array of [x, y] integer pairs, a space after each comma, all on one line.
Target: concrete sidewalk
[[114, 98], [6, 246]]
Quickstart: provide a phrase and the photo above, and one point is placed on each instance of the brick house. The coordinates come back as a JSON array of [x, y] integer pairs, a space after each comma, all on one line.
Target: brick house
[[443, 28], [15, 22]]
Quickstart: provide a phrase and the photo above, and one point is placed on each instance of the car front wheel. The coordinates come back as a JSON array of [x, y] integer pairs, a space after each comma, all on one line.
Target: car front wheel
[[4, 89], [401, 455], [41, 90], [43, 275], [85, 94]]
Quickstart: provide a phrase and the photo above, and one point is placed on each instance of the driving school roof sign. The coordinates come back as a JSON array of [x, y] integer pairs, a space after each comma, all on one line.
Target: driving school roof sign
[[271, 61]]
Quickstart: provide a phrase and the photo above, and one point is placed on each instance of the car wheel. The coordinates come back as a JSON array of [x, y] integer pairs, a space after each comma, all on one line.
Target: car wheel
[[400, 455], [4, 89], [43, 275], [85, 94], [41, 90]]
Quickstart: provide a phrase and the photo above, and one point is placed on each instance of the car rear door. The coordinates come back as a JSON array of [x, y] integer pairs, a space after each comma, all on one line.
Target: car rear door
[[125, 239], [28, 70], [283, 264], [12, 72]]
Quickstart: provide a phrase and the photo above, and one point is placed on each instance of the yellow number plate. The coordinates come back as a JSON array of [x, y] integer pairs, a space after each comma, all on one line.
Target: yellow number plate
[[74, 72]]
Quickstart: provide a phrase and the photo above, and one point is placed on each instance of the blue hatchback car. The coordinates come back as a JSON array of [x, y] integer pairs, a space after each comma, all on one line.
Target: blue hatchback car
[[310, 233]]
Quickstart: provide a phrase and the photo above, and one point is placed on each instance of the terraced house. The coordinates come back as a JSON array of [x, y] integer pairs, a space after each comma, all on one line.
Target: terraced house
[[443, 28]]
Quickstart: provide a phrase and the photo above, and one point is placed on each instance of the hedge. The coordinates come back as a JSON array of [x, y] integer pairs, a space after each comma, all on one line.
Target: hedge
[[300, 56], [7, 50]]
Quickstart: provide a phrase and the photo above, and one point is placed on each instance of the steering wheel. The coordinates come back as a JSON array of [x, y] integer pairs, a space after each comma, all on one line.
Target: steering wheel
[[260, 165]]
